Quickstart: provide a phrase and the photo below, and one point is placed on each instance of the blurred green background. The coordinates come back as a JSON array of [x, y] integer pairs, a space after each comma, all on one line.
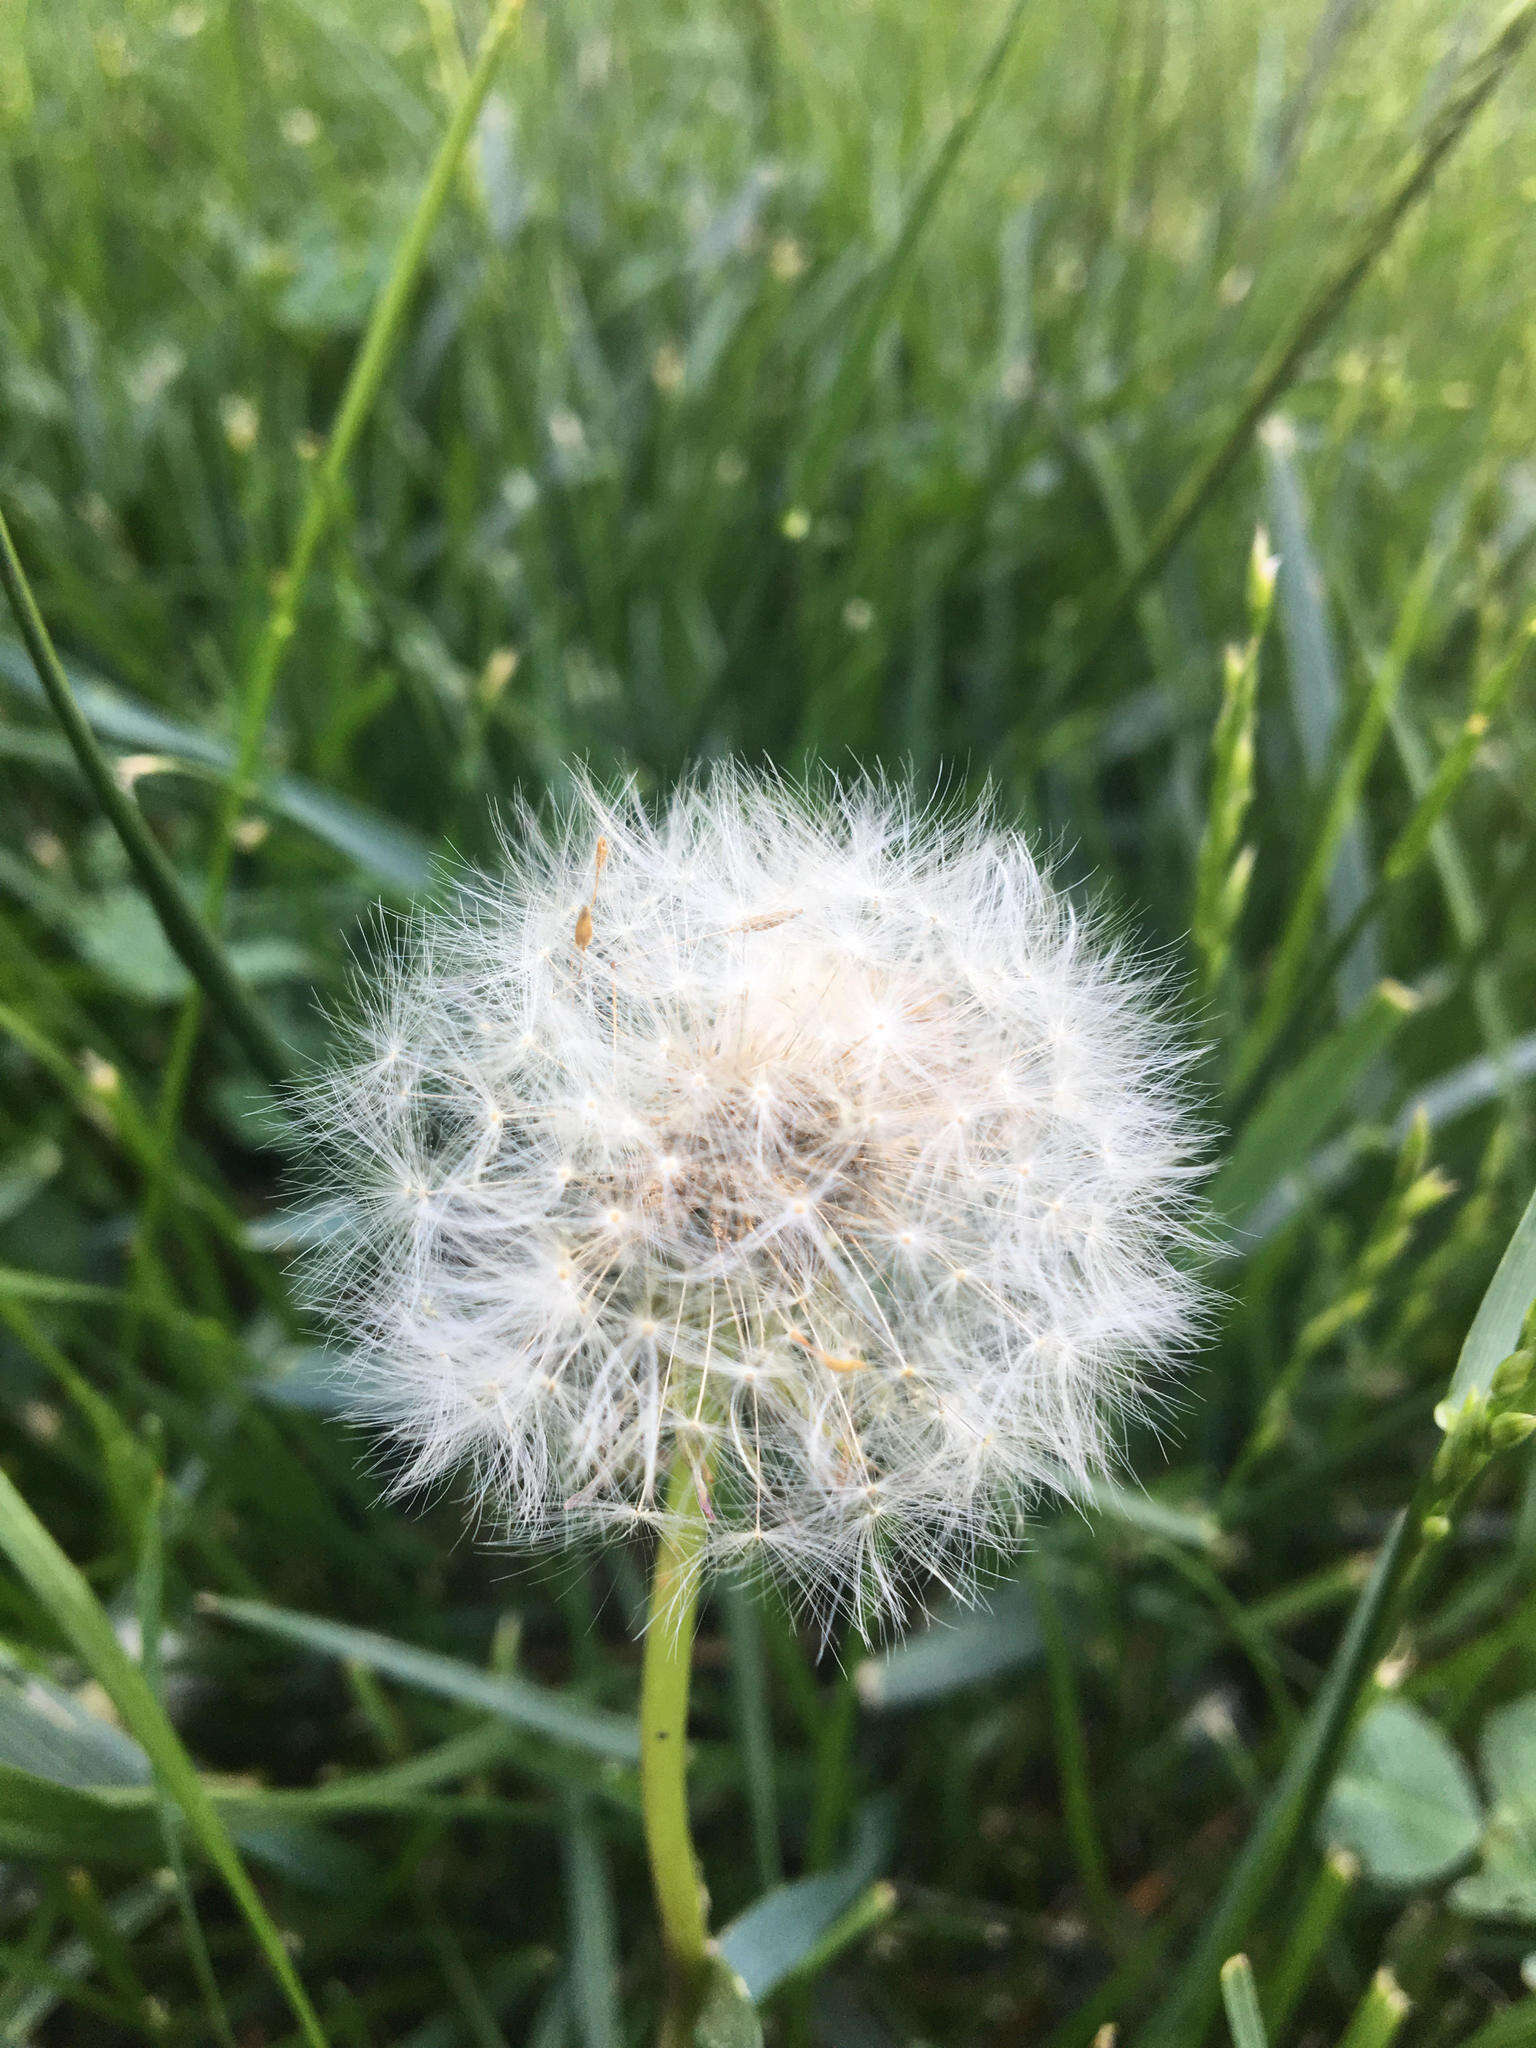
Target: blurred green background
[[800, 380]]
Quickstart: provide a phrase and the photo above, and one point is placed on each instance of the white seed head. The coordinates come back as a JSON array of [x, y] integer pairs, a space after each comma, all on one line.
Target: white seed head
[[791, 1131]]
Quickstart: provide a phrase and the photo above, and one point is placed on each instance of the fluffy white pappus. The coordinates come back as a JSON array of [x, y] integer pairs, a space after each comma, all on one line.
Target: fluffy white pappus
[[792, 1131]]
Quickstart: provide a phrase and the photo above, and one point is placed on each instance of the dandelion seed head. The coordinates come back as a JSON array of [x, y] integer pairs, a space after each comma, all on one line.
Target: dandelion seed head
[[831, 1149]]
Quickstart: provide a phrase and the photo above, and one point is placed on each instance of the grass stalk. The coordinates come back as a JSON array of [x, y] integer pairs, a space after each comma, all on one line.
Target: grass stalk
[[1240, 1996], [1379, 2017], [357, 401], [1473, 1429], [1072, 1762], [196, 944], [1477, 78], [1309, 1935], [850, 383], [75, 1610]]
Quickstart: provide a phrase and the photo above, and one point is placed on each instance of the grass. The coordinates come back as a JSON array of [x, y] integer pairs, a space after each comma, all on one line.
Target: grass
[[899, 382]]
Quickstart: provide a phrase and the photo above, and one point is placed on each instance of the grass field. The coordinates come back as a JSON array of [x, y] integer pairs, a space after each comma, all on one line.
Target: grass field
[[890, 383]]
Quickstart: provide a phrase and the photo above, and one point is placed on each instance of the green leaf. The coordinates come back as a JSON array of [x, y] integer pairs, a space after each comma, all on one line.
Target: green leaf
[[965, 1648], [24, 2007], [1508, 1752], [45, 1822], [772, 1939], [120, 936], [1496, 1326], [79, 1789], [49, 1734], [1304, 1104], [540, 1709], [593, 1970], [727, 2017], [1240, 1995], [388, 851], [1503, 1887], [77, 1613], [1403, 1801]]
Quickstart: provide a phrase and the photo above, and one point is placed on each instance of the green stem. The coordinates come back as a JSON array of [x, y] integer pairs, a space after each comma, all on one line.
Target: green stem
[[664, 1753], [367, 375], [1474, 82], [198, 947], [1071, 1750]]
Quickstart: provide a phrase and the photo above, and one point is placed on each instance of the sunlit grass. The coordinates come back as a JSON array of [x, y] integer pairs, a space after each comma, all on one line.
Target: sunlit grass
[[875, 382]]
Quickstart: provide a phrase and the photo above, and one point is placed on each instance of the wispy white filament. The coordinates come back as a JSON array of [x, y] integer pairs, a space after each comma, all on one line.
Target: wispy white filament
[[791, 1132]]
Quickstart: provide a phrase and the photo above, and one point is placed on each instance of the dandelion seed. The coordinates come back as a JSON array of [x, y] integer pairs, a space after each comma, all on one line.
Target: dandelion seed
[[856, 1180]]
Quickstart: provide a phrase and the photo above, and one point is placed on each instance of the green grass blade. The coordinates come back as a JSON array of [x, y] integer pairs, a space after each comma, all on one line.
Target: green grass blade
[[593, 1968], [1380, 2015], [1303, 1106], [362, 389], [1337, 837], [1476, 80], [1496, 1326], [749, 1688], [1316, 688], [1308, 1936], [197, 945], [76, 1612], [1072, 1760], [1181, 2021], [1240, 1996], [540, 1710], [837, 410], [378, 846], [773, 1939], [29, 2000]]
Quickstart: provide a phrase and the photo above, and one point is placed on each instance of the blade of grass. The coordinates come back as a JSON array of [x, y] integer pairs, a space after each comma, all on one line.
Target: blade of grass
[[1240, 1996], [749, 1687], [834, 415], [66, 1597], [197, 945], [540, 1709], [1072, 1762], [102, 1935], [1333, 840], [1476, 80], [150, 1589], [1380, 2014], [1185, 2014], [357, 401], [1426, 830], [1309, 1935], [1313, 675], [1496, 1326], [32, 1994], [1302, 1106], [593, 1959]]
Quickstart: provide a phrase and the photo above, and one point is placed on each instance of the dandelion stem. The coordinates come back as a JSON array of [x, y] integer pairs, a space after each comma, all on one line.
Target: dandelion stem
[[664, 1754]]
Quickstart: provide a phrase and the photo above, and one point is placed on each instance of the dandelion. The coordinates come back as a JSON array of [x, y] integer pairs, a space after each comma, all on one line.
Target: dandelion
[[787, 1171]]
